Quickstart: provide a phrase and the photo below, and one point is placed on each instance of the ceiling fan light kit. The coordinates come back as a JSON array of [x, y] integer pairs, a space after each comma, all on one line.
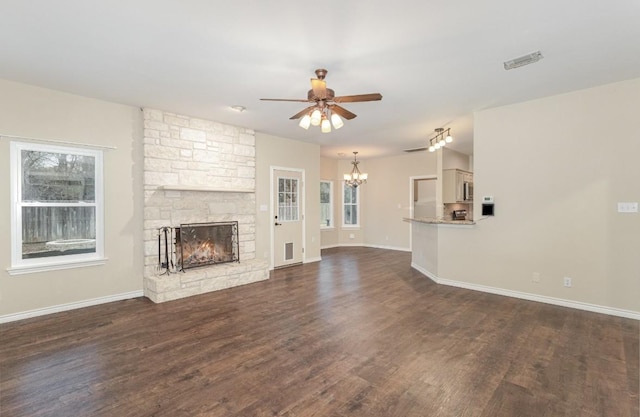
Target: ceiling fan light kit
[[325, 112]]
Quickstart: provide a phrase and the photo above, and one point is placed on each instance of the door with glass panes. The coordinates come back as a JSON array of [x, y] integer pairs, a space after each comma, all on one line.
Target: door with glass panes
[[288, 218]]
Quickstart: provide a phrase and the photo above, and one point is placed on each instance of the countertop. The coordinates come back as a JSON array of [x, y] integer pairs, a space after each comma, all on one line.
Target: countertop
[[433, 220]]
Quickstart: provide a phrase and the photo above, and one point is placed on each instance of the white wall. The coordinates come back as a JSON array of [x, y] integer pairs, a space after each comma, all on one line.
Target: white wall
[[557, 167], [41, 113]]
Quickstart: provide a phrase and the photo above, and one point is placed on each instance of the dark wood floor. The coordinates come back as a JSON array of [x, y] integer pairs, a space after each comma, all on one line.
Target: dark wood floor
[[358, 334]]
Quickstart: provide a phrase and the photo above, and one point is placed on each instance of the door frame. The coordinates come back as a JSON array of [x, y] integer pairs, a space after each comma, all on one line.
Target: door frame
[[411, 180], [272, 213]]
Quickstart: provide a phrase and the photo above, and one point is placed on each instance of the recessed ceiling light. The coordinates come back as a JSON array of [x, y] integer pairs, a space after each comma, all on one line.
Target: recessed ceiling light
[[239, 109]]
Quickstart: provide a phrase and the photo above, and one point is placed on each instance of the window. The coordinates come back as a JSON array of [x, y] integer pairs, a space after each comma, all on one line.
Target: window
[[56, 212], [326, 204], [350, 206], [288, 199]]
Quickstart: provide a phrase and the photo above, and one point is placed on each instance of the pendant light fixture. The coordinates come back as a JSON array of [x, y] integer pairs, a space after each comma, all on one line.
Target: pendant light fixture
[[355, 178]]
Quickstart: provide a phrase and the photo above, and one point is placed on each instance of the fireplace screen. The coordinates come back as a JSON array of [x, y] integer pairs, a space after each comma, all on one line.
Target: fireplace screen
[[199, 244]]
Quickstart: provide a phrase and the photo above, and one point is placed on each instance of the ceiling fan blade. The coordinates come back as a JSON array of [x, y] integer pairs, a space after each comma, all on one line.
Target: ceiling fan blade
[[358, 97], [301, 113], [319, 88], [286, 99], [341, 111]]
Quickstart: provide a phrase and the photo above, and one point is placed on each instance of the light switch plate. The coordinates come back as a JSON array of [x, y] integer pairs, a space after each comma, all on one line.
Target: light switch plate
[[628, 207]]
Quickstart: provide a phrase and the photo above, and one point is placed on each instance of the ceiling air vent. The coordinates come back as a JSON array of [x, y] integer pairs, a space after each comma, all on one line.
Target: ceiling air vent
[[523, 60]]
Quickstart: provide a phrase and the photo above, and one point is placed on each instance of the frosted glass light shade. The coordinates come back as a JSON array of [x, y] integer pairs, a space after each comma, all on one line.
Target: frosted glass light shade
[[325, 127], [316, 116], [305, 122], [336, 121], [448, 139]]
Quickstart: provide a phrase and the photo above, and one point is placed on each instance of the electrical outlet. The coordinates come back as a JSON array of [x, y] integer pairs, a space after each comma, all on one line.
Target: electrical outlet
[[567, 282], [535, 277]]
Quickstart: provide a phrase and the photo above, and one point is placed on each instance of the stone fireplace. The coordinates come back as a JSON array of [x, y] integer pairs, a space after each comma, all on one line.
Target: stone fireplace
[[198, 172]]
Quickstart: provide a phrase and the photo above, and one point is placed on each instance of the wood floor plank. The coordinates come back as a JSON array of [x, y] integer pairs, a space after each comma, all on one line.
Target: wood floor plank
[[358, 334]]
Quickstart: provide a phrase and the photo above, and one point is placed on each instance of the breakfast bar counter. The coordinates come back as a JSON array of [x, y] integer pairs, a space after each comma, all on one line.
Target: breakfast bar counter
[[438, 221]]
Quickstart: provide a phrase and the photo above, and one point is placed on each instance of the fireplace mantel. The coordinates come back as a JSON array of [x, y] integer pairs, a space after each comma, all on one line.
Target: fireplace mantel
[[205, 189]]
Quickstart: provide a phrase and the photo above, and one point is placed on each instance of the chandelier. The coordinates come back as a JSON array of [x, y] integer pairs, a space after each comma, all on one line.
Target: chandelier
[[439, 140], [321, 116], [356, 177]]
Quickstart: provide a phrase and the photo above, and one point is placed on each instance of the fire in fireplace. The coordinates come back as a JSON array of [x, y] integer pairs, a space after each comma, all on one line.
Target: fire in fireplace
[[199, 244]]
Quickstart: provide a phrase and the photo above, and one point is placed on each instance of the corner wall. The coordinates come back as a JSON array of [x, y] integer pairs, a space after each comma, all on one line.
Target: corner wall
[[287, 153], [41, 113], [557, 168]]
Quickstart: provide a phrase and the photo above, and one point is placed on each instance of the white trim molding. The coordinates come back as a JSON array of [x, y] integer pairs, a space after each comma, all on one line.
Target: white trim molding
[[578, 305], [70, 306]]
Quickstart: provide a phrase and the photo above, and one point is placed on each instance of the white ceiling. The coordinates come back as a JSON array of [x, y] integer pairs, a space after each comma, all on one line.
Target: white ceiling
[[435, 62]]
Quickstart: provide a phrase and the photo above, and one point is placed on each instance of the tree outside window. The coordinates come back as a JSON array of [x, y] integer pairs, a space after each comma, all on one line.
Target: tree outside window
[[57, 204]]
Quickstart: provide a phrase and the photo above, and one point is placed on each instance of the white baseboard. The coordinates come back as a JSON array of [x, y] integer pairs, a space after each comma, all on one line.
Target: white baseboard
[[309, 260], [594, 308], [388, 247], [364, 245], [69, 306], [328, 247]]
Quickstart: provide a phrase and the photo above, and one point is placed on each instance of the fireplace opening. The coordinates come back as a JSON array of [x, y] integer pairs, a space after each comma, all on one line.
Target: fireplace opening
[[200, 244]]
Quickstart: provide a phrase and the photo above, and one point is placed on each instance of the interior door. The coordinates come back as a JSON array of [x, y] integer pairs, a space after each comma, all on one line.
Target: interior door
[[289, 214]]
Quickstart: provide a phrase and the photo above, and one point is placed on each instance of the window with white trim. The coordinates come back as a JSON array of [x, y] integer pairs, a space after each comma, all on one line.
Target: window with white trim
[[326, 204], [350, 206], [57, 207]]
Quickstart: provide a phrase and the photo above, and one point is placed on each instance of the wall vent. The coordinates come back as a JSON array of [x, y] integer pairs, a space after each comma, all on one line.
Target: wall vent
[[523, 60], [288, 251]]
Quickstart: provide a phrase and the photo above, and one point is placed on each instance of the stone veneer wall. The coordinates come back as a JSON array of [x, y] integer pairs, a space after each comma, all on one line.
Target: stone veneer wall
[[198, 171]]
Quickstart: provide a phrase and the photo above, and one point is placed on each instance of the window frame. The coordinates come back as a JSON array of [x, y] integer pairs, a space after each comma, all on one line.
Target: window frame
[[331, 214], [357, 206], [30, 265]]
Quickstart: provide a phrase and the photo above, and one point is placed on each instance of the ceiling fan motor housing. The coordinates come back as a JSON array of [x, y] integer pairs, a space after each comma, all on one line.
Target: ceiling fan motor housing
[[329, 96]]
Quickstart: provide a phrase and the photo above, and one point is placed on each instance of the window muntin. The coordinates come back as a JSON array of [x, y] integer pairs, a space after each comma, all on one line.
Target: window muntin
[[350, 206], [326, 204], [288, 199], [57, 212]]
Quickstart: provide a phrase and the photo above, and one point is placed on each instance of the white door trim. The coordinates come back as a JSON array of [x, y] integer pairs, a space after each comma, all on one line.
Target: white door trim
[[411, 180], [272, 214]]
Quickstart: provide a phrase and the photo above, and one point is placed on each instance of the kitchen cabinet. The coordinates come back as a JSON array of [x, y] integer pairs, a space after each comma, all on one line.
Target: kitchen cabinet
[[453, 181]]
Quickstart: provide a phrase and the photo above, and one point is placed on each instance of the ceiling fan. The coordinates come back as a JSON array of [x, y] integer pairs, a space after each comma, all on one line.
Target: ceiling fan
[[325, 107]]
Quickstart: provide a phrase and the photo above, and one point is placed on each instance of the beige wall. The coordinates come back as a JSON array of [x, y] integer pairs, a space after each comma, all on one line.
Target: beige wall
[[453, 159], [385, 199], [287, 153], [41, 113], [557, 168], [330, 237]]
